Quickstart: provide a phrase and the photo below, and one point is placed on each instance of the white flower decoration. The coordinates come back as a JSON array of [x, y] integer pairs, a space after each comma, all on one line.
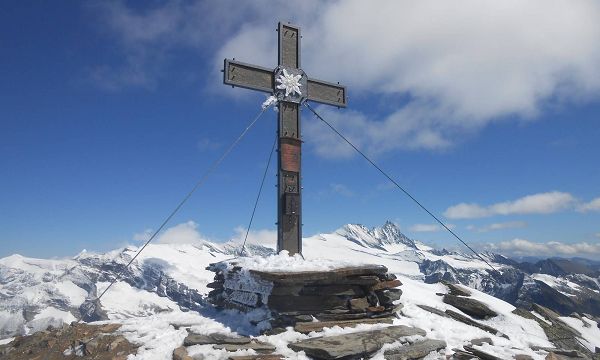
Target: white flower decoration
[[290, 83]]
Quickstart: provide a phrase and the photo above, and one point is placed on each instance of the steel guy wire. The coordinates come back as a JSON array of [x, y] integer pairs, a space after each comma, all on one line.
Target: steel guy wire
[[262, 183], [214, 165], [397, 185]]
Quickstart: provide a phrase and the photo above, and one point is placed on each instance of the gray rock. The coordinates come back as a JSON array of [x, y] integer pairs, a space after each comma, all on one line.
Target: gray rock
[[307, 327], [470, 306], [359, 304], [462, 355], [353, 345], [258, 346], [181, 354], [198, 339], [523, 357], [415, 350], [481, 341], [388, 296], [257, 357], [468, 321], [433, 310], [455, 289], [558, 333]]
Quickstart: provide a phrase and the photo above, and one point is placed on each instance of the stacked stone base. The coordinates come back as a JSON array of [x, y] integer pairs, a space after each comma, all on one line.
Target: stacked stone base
[[341, 295]]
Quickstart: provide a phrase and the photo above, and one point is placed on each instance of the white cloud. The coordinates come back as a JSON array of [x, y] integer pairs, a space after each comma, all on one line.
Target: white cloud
[[429, 227], [184, 233], [498, 226], [597, 235], [443, 70], [143, 236], [593, 205], [341, 189], [542, 203], [554, 248], [262, 237], [188, 233]]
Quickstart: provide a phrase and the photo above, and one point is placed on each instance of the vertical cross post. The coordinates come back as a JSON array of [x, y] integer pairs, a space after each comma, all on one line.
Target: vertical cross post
[[289, 193]]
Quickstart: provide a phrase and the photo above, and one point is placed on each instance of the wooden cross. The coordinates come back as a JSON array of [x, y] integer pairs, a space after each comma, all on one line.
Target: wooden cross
[[283, 82]]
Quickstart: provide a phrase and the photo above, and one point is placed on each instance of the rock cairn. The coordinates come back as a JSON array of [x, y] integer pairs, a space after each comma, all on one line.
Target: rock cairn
[[348, 295]]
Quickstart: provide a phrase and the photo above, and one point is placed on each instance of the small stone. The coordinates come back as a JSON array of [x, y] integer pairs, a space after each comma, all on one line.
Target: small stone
[[181, 354], [388, 296], [386, 285], [523, 357], [375, 309], [303, 318], [416, 350], [359, 304], [275, 331], [481, 341]]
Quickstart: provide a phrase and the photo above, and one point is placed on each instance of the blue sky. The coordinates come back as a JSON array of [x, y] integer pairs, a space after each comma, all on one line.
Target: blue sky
[[110, 112]]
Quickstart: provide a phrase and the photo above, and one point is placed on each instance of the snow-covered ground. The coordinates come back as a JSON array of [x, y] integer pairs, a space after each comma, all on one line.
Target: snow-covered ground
[[152, 299], [160, 333]]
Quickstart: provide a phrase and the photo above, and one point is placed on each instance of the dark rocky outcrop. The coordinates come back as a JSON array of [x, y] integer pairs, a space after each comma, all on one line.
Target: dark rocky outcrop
[[70, 342], [564, 337]]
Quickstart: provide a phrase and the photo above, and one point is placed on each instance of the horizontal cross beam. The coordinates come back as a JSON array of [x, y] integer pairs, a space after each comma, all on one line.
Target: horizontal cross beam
[[237, 73]]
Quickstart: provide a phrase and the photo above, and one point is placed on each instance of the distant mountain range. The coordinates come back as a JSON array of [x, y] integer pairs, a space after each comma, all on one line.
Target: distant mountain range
[[35, 293]]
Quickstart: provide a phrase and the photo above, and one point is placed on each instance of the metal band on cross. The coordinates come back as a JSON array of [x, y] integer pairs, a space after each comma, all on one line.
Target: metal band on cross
[[291, 86]]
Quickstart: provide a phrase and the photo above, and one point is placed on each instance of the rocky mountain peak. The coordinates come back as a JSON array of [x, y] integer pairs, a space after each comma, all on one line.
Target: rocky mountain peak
[[377, 237]]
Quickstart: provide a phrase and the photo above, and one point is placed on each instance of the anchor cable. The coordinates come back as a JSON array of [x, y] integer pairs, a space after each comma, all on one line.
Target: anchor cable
[[204, 176], [258, 196], [214, 165], [398, 185]]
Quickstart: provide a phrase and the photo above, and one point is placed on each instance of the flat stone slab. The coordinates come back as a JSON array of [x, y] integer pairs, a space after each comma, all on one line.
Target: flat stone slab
[[416, 350], [216, 338], [258, 346], [298, 276], [480, 353], [389, 284], [306, 327], [258, 357], [470, 306], [357, 344], [468, 321], [433, 310]]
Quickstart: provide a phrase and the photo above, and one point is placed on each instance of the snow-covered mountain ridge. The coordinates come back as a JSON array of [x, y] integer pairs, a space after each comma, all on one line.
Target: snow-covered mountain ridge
[[172, 279]]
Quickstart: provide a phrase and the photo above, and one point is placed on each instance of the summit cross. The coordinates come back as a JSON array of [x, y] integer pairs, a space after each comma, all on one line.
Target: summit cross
[[292, 87]]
